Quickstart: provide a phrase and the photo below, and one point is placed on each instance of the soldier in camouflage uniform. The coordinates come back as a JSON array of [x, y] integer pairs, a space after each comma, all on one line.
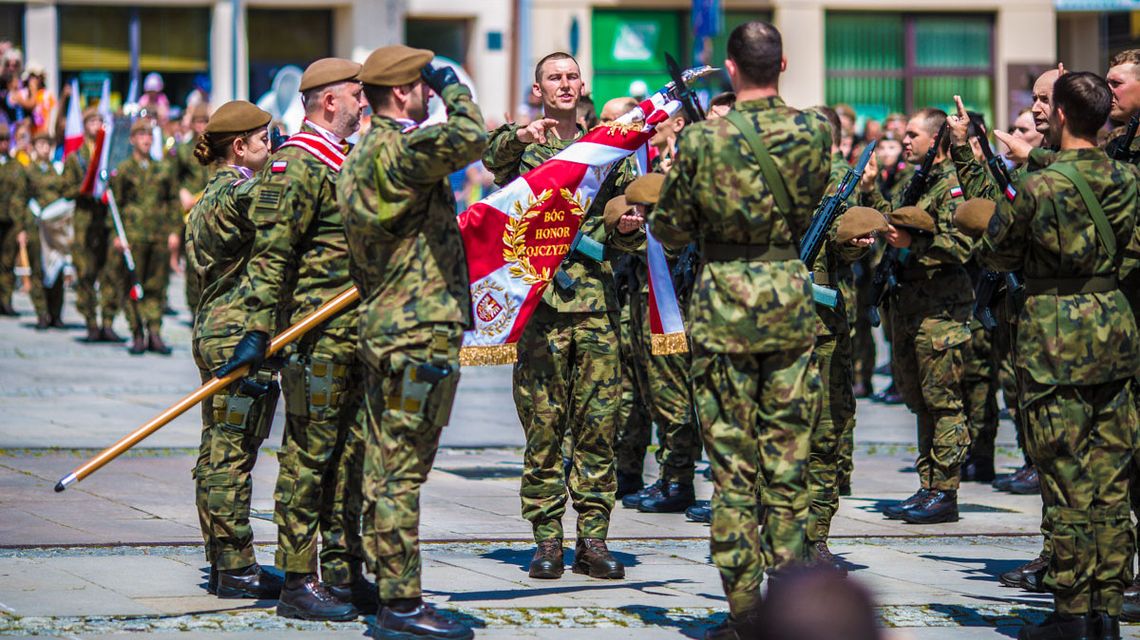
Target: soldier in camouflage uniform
[[1077, 351], [142, 191], [929, 314], [299, 261], [190, 178], [407, 258], [45, 186], [752, 323], [96, 261], [568, 374], [234, 422], [11, 180]]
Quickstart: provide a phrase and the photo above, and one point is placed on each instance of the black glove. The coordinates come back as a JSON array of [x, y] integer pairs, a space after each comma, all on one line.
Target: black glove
[[250, 350], [438, 78]]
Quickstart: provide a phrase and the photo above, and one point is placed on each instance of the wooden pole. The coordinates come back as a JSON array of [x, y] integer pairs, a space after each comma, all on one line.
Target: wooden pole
[[306, 324]]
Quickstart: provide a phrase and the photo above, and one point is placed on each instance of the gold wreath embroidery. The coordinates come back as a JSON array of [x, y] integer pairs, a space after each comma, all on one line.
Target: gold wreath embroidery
[[578, 206], [622, 128], [514, 237]]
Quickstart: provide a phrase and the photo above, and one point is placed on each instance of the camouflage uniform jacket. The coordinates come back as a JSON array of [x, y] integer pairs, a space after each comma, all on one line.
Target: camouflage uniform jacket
[[299, 259], [934, 276], [219, 235], [142, 191], [74, 171], [1047, 232], [406, 254], [593, 290], [714, 193], [43, 185], [187, 173], [832, 266], [12, 182]]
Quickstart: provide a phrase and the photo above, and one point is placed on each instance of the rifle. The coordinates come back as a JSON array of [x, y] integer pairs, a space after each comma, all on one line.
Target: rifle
[[682, 92], [885, 278], [279, 342], [136, 294], [990, 281], [829, 209], [1121, 147]]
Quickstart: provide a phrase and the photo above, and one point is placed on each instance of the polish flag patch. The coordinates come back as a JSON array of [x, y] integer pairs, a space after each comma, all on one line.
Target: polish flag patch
[[278, 166], [955, 192]]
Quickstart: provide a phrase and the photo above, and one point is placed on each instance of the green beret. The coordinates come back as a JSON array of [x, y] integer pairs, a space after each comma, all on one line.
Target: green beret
[[237, 116], [857, 222], [394, 65], [646, 189], [912, 218], [615, 209], [142, 124], [973, 216], [327, 71]]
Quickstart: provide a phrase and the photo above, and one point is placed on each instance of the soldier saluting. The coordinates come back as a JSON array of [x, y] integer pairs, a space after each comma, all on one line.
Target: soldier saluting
[[745, 186], [407, 258]]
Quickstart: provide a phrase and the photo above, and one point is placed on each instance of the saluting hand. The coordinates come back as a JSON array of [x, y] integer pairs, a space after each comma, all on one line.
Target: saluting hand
[[536, 131], [959, 123]]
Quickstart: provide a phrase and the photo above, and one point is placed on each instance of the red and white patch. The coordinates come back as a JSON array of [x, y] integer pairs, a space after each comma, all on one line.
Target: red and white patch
[[278, 166], [955, 192]]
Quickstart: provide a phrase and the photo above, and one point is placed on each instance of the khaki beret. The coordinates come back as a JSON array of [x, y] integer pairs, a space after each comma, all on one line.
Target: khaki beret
[[859, 221], [912, 218], [646, 189], [972, 217], [91, 112], [237, 116], [142, 124], [327, 71], [394, 65], [46, 137], [200, 111], [615, 209]]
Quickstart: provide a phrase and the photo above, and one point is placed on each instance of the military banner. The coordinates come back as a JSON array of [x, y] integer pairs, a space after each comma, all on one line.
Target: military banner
[[666, 328], [516, 237]]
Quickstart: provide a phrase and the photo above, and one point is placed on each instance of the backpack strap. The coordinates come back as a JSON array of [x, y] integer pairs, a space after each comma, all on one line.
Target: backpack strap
[[1096, 212], [768, 168]]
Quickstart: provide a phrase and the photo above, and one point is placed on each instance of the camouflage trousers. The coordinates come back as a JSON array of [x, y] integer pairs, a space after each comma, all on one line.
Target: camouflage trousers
[[9, 253], [832, 356], [233, 427], [927, 365], [322, 459], [152, 265], [1082, 440], [568, 379], [664, 387], [96, 264], [47, 301], [756, 412], [404, 416], [634, 426], [979, 391]]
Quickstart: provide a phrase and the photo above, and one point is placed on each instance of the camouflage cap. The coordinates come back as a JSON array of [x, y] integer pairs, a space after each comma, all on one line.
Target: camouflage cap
[[973, 216], [646, 189], [327, 71], [394, 65], [859, 221], [912, 218], [140, 125], [237, 116], [615, 209]]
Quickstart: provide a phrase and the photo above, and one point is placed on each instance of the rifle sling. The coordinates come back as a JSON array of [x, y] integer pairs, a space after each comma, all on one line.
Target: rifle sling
[[768, 167], [1103, 228]]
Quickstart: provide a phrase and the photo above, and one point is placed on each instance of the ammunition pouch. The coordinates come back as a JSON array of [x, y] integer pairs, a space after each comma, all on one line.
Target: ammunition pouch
[[249, 414], [414, 394], [319, 383]]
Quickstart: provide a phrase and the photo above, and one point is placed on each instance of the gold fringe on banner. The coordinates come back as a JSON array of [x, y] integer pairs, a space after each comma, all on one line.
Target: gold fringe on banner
[[667, 343], [486, 356]]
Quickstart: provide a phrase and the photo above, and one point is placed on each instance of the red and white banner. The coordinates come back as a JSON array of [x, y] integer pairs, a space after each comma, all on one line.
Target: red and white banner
[[666, 327], [73, 130], [516, 237]]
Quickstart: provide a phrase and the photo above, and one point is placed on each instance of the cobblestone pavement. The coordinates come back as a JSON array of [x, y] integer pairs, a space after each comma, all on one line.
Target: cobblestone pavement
[[118, 555]]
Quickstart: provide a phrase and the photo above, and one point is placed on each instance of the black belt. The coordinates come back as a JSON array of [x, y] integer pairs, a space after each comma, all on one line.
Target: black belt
[[718, 252], [1070, 286], [821, 278]]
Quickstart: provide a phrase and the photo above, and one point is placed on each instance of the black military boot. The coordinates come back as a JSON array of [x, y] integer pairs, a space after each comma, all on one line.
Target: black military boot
[[821, 556], [939, 506], [414, 618], [1104, 626], [593, 558], [699, 512], [1131, 610], [156, 345], [1028, 484], [675, 497], [1057, 626], [107, 334], [6, 309], [895, 511], [1016, 577], [43, 323], [978, 469], [628, 483], [745, 626], [360, 592], [305, 598], [138, 345], [1002, 482], [547, 561], [93, 333], [632, 500], [252, 582]]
